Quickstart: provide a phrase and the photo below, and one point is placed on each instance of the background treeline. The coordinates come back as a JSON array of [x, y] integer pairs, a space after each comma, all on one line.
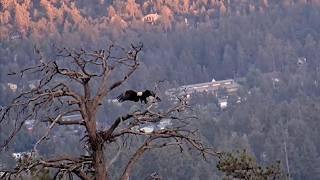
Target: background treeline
[[258, 42]]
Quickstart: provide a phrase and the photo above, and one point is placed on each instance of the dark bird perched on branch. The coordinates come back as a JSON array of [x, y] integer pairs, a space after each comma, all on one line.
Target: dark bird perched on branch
[[131, 95]]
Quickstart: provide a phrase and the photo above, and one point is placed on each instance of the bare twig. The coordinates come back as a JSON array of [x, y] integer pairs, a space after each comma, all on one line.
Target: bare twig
[[47, 133]]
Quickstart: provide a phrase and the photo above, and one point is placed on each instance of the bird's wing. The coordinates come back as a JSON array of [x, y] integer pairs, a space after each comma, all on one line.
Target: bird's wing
[[147, 93], [128, 95], [121, 97]]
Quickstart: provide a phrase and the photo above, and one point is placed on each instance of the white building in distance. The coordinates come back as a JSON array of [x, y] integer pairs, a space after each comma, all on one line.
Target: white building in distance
[[151, 18]]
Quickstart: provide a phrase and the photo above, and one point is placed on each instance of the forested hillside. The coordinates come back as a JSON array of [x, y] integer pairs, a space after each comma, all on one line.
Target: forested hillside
[[271, 47]]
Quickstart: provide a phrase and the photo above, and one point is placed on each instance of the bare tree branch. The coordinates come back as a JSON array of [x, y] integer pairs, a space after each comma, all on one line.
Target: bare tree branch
[[115, 157], [47, 133], [134, 158], [66, 87]]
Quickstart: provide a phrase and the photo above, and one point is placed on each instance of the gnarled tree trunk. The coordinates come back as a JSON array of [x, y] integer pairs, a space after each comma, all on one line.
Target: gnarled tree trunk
[[99, 163]]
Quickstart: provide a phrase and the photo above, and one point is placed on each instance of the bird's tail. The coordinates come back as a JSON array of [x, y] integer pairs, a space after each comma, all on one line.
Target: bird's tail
[[120, 98]]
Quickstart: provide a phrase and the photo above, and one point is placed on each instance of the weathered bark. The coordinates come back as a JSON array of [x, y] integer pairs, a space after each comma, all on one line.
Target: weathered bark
[[96, 143], [99, 163]]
